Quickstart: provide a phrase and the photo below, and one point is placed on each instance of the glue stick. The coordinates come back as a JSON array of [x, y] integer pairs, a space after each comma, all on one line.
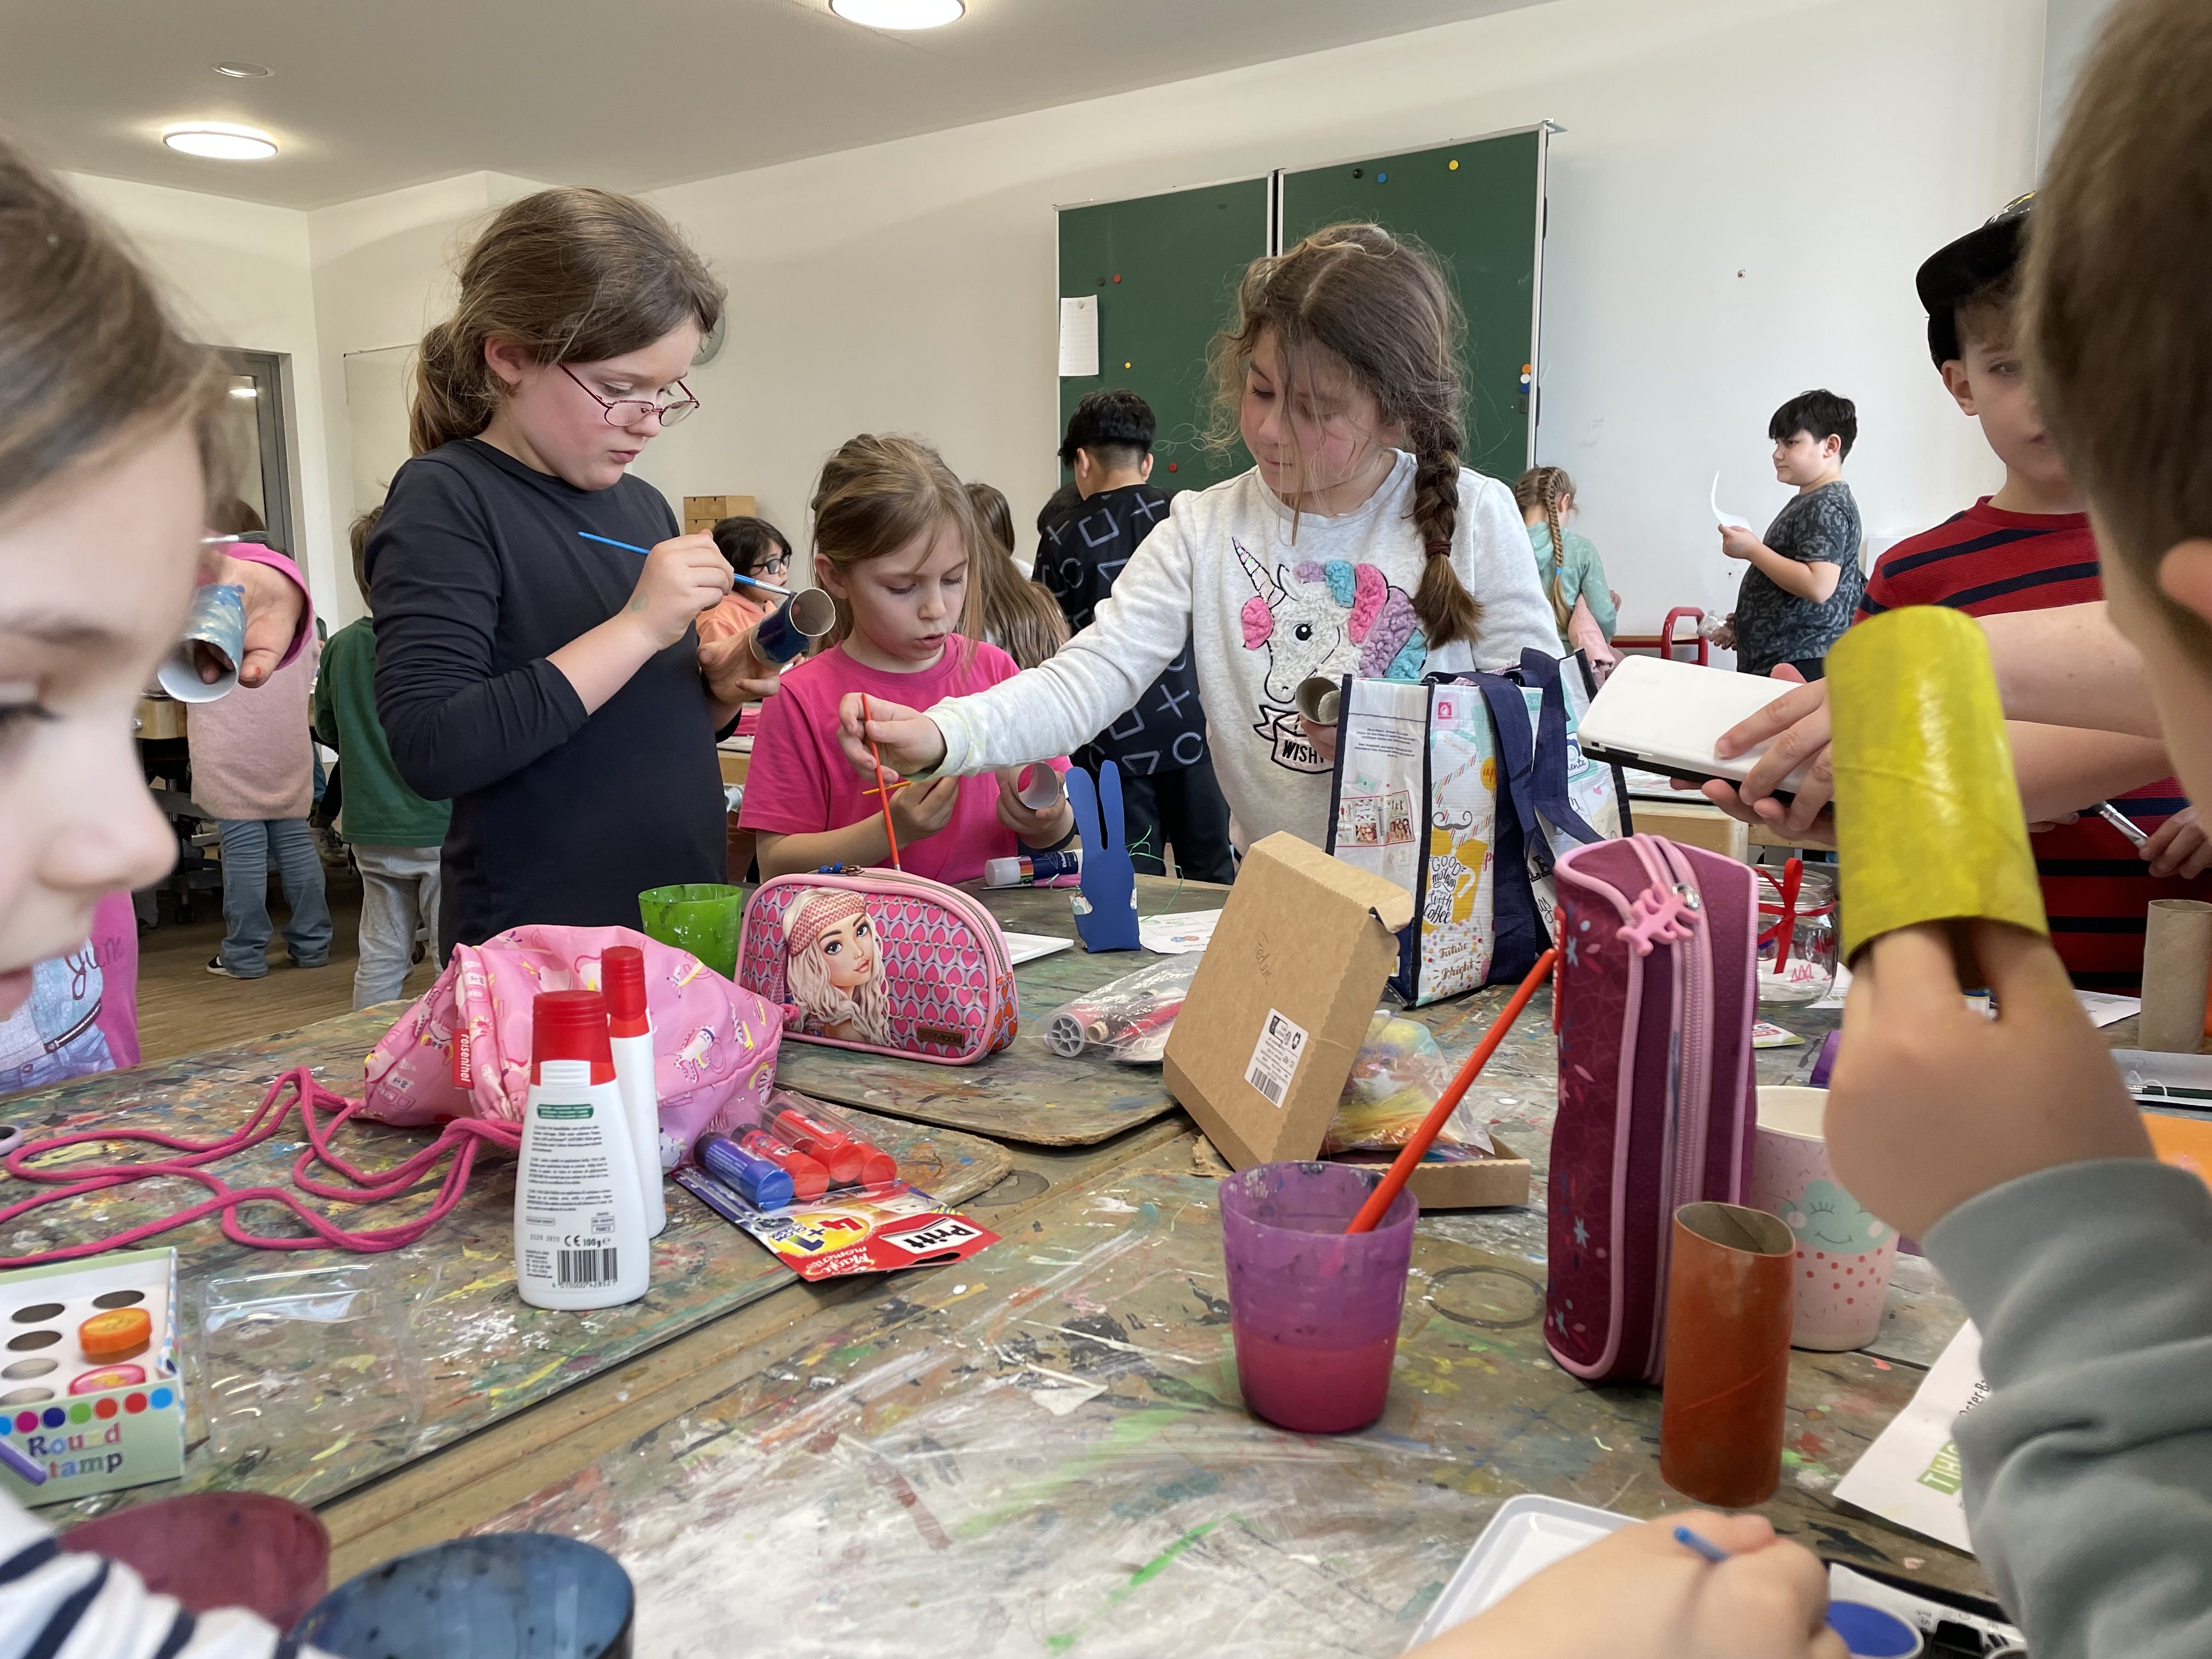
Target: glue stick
[[579, 1237], [1032, 869], [630, 1027]]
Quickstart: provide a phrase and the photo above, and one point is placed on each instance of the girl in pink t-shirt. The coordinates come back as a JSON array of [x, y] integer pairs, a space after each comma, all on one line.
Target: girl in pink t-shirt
[[892, 530]]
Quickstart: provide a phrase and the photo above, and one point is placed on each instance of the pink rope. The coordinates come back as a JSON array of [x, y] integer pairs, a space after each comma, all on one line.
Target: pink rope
[[296, 1089]]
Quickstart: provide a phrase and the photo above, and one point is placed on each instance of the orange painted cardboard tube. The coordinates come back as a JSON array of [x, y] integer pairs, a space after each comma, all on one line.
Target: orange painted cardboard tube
[[1729, 1306]]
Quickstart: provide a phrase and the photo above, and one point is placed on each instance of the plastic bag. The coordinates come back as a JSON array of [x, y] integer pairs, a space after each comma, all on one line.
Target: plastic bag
[[1396, 1077], [1129, 1018]]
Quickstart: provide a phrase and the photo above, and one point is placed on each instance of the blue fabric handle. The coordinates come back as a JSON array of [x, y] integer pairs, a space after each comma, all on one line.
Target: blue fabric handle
[[1542, 672]]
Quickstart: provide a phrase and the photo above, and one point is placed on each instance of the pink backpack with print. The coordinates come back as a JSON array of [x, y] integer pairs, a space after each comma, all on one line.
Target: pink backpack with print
[[881, 960], [462, 1050], [1657, 1093]]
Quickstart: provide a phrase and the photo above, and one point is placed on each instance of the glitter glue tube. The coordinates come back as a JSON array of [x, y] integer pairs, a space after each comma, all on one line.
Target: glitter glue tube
[[630, 1034], [1928, 815], [808, 1180], [756, 1180], [1032, 869], [850, 1162]]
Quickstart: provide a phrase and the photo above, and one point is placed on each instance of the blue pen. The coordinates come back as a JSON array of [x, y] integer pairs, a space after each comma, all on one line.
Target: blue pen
[[632, 547], [1704, 1545]]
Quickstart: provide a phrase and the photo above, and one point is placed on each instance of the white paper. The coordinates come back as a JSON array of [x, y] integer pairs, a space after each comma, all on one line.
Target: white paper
[[1028, 947], [1078, 335], [2104, 1009], [1178, 932], [1910, 1475], [1724, 520]]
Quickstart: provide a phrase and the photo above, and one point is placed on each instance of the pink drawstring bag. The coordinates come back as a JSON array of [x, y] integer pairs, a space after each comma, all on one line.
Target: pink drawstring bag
[[714, 1048], [462, 1050]]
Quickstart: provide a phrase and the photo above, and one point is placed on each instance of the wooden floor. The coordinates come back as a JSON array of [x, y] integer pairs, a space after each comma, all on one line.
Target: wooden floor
[[182, 1008]]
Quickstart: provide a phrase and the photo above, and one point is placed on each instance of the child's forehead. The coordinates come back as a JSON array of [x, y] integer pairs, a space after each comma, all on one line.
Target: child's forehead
[[930, 552]]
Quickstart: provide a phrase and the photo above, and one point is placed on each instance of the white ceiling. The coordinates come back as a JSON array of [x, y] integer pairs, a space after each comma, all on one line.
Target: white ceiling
[[368, 95]]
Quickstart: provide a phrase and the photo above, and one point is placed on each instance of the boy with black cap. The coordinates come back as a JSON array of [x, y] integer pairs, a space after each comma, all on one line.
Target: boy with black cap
[[2028, 548], [1168, 794]]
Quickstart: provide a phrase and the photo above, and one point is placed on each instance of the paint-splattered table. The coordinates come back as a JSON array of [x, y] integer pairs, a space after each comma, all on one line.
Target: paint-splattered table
[[1042, 1452], [372, 1362]]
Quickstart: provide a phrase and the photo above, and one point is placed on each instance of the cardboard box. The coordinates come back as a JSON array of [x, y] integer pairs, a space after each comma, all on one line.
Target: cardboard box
[[1283, 999], [160, 717], [702, 512], [1460, 1177], [1693, 823]]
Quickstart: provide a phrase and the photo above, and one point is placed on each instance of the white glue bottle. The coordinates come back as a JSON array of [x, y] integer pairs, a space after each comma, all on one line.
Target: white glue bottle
[[622, 975], [579, 1237]]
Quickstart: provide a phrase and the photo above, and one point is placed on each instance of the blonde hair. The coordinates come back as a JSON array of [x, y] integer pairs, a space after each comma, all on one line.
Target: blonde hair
[[2118, 346], [1014, 613], [1380, 305], [573, 275], [876, 494], [806, 976], [89, 354], [1545, 487]]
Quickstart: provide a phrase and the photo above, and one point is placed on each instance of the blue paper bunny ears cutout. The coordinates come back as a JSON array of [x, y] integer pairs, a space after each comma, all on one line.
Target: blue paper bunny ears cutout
[[1106, 910]]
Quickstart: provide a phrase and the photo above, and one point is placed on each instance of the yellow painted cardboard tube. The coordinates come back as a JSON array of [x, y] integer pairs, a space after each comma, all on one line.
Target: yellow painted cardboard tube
[[1928, 816]]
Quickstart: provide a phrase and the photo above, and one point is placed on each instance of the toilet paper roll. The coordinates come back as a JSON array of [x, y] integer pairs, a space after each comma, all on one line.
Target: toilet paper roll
[[2177, 967], [1928, 817]]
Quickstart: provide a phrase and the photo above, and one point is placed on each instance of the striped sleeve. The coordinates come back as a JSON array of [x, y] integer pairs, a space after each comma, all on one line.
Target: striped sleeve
[[56, 1604]]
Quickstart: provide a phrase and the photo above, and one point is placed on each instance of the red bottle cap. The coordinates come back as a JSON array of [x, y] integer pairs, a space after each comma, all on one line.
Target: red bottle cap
[[570, 1025], [878, 1167], [622, 973]]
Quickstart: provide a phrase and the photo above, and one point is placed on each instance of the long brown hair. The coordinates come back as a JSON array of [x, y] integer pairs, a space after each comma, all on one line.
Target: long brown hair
[[876, 494], [1014, 613], [89, 354], [574, 275], [1380, 306], [1545, 487]]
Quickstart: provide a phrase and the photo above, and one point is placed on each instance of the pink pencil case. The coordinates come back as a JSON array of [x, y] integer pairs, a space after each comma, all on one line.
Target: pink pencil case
[[883, 962]]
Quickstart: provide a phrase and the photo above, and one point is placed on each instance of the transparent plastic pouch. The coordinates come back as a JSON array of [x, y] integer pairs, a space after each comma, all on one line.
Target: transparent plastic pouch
[[1396, 1077], [1128, 1017]]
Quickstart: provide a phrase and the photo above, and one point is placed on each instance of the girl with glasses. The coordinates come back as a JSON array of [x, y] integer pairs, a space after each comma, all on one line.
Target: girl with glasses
[[554, 689]]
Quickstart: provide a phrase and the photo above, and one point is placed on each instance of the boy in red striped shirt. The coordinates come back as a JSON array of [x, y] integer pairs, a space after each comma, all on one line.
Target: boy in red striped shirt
[[2028, 548]]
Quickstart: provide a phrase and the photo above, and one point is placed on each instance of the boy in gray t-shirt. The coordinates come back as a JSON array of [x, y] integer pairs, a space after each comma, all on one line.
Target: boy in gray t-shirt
[[1804, 583]]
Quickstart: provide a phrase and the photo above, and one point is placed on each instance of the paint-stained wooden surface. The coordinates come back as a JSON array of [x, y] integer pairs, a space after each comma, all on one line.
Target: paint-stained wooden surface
[[410, 1351], [1042, 1452]]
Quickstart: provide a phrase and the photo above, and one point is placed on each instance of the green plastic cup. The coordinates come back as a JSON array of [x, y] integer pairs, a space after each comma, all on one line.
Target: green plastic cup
[[702, 917]]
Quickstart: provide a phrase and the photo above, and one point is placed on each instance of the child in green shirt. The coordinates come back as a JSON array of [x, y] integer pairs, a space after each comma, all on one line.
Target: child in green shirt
[[1568, 566], [396, 835]]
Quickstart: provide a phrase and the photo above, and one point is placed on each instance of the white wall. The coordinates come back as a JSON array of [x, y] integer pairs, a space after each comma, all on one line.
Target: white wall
[[1820, 148], [238, 272], [2069, 30]]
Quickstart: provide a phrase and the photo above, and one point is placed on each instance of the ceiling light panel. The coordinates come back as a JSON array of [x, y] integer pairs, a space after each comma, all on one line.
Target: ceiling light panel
[[218, 141], [899, 13]]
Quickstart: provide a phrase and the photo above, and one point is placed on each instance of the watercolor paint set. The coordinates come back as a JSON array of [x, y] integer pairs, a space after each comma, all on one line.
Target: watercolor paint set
[[90, 1397], [822, 1198]]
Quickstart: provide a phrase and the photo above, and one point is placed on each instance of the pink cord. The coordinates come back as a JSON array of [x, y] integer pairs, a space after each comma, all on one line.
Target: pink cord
[[462, 1137]]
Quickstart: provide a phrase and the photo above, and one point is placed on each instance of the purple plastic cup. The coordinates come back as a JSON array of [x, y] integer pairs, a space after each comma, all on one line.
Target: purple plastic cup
[[1314, 1309]]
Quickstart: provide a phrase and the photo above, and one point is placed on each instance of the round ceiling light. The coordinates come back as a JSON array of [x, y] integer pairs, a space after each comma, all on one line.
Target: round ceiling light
[[218, 142], [899, 13], [240, 69]]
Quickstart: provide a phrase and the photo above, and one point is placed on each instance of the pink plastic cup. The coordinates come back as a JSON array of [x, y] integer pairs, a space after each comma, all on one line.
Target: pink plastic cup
[[219, 1549], [1314, 1310]]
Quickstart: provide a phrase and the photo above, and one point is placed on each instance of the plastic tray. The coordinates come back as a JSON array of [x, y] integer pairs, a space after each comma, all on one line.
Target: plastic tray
[[1528, 1534]]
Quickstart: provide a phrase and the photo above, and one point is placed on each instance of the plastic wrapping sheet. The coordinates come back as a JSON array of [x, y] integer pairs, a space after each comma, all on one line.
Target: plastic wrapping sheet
[[1928, 816]]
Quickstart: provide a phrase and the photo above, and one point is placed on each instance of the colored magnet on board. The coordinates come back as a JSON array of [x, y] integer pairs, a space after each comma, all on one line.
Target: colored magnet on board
[[1117, 275], [1382, 178], [1171, 466], [1453, 165]]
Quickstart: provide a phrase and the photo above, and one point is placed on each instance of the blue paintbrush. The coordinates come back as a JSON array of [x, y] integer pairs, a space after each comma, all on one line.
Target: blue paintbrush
[[632, 547]]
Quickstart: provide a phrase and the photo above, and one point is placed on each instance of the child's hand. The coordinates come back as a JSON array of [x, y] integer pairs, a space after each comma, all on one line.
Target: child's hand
[[1931, 1103], [273, 604], [1737, 542], [1031, 828], [2179, 846], [682, 577], [733, 673], [1641, 1595], [919, 810], [910, 742], [1797, 723], [1322, 737]]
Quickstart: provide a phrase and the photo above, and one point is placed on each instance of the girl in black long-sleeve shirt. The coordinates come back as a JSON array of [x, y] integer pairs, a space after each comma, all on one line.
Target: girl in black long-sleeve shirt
[[554, 689]]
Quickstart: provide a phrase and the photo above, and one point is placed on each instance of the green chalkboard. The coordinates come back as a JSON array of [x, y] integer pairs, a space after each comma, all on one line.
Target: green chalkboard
[[1480, 205], [1165, 270]]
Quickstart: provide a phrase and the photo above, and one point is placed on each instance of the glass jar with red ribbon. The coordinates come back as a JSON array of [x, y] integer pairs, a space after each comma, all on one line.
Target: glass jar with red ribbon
[[1796, 931]]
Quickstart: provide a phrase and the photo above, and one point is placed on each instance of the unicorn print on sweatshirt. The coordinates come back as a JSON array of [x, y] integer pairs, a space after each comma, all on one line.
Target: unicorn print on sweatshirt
[[1327, 618]]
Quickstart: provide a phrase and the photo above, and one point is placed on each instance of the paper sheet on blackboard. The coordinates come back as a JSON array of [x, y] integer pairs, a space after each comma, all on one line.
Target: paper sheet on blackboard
[[1724, 520], [1078, 335]]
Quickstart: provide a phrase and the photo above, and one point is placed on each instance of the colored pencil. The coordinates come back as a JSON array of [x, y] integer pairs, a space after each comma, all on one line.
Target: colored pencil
[[890, 835], [632, 547]]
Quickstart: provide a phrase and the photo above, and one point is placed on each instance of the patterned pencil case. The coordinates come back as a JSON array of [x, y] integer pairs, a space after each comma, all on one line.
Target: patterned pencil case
[[883, 962]]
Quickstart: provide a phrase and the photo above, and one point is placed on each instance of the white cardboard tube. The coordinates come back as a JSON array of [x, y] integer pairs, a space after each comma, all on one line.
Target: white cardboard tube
[[2177, 967]]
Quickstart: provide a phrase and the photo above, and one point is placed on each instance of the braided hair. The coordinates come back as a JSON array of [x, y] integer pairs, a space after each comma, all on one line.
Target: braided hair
[[1545, 487], [1381, 306]]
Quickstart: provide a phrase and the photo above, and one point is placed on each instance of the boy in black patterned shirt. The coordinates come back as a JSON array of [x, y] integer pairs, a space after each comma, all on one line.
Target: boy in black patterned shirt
[[1804, 583]]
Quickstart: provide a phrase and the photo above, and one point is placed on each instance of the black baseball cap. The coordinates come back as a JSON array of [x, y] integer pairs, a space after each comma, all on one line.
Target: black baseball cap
[[1958, 271]]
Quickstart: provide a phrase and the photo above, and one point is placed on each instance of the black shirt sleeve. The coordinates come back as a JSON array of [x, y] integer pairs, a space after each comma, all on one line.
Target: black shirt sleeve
[[455, 719]]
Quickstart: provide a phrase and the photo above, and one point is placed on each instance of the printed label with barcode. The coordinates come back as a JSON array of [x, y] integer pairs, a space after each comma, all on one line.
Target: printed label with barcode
[[577, 1268], [1275, 1056]]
